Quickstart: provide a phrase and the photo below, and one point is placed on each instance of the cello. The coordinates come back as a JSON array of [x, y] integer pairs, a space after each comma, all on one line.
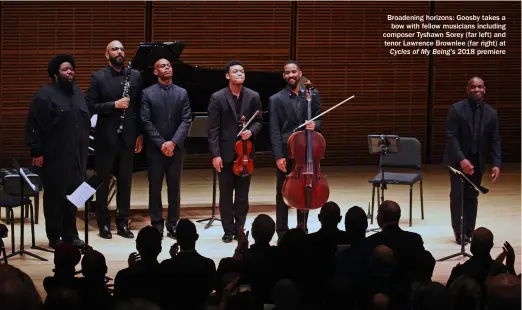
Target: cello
[[244, 164], [305, 187]]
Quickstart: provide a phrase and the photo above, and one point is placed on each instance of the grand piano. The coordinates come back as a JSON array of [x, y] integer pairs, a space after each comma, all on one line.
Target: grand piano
[[200, 83]]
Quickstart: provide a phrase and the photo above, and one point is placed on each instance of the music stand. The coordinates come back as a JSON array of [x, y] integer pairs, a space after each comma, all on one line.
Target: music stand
[[198, 129], [383, 145], [463, 180], [36, 188]]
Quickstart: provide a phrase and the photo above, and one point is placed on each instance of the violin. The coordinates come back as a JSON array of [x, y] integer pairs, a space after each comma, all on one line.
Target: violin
[[243, 165], [305, 187]]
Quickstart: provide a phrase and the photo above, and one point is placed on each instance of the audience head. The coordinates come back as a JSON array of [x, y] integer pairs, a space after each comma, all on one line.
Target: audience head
[[148, 243], [430, 296], [330, 215], [293, 242], [380, 301], [187, 234], [465, 293], [263, 229], [503, 292], [94, 265], [424, 266], [62, 299], [66, 257], [389, 213], [383, 261], [356, 222], [17, 290], [286, 295], [481, 242]]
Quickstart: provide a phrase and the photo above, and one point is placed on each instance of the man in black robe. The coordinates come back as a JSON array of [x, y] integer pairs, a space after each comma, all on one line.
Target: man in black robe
[[57, 134]]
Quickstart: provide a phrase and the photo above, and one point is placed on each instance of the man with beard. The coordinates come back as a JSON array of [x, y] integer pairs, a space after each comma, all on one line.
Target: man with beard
[[166, 117], [57, 134], [471, 129], [225, 110], [288, 109], [115, 149]]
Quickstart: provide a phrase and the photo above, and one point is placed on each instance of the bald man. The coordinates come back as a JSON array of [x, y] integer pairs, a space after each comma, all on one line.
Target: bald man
[[166, 116], [115, 148], [471, 129]]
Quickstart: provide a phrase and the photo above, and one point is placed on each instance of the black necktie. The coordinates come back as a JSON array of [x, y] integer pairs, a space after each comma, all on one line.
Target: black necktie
[[476, 129]]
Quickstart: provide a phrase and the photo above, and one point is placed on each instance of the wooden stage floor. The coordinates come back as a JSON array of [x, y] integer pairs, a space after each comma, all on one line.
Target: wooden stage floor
[[499, 211]]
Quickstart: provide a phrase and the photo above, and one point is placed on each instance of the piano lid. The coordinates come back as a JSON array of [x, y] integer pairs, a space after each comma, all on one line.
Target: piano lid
[[148, 53]]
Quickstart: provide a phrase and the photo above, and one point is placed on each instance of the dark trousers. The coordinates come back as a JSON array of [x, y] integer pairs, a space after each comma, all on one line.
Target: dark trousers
[[233, 210], [281, 207], [469, 196], [160, 166], [60, 214], [117, 161]]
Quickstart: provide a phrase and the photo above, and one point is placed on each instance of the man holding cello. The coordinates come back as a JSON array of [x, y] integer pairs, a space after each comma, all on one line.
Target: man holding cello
[[288, 109], [229, 110]]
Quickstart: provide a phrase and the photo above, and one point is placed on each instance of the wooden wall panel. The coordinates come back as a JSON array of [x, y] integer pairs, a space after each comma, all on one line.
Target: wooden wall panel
[[501, 75], [33, 32], [256, 33], [340, 48]]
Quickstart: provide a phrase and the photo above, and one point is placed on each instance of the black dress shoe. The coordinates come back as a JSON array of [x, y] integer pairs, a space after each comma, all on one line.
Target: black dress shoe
[[171, 233], [124, 231], [105, 232], [55, 243], [227, 237], [78, 243]]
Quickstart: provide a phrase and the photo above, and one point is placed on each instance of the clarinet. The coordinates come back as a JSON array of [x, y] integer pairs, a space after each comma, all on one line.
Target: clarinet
[[126, 88]]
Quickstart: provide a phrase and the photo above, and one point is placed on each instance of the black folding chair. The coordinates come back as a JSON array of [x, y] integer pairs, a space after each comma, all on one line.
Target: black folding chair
[[408, 159]]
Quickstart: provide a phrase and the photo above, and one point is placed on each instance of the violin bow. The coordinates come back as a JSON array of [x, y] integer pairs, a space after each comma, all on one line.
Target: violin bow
[[248, 123], [330, 109]]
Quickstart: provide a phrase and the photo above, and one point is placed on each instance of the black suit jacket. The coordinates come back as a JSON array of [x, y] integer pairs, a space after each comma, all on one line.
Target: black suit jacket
[[284, 119], [101, 99], [162, 123], [459, 129], [223, 124]]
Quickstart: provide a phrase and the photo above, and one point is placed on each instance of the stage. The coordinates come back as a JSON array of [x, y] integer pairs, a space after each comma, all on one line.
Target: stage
[[499, 211]]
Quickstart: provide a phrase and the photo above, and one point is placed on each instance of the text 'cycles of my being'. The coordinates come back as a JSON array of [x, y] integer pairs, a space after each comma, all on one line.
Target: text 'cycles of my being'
[[475, 35]]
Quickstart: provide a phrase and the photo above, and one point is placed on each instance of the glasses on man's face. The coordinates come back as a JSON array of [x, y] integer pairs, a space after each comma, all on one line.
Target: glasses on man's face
[[114, 49]]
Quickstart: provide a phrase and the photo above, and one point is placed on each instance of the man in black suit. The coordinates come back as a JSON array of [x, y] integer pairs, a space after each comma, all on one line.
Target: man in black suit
[[288, 109], [166, 118], [115, 150], [471, 128], [226, 109]]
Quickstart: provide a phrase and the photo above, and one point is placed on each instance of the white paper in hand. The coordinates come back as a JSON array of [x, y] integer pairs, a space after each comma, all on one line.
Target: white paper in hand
[[81, 195]]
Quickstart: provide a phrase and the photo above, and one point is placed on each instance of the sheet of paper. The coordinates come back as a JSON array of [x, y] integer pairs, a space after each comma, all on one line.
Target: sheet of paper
[[94, 119], [33, 187], [81, 195]]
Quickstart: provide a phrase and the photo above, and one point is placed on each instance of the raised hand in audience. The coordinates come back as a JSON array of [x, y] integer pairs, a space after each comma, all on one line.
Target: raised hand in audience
[[174, 250], [510, 257], [242, 244], [134, 258]]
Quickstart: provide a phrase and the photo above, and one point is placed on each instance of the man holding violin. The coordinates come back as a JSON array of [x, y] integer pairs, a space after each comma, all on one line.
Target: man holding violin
[[288, 110], [226, 110]]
